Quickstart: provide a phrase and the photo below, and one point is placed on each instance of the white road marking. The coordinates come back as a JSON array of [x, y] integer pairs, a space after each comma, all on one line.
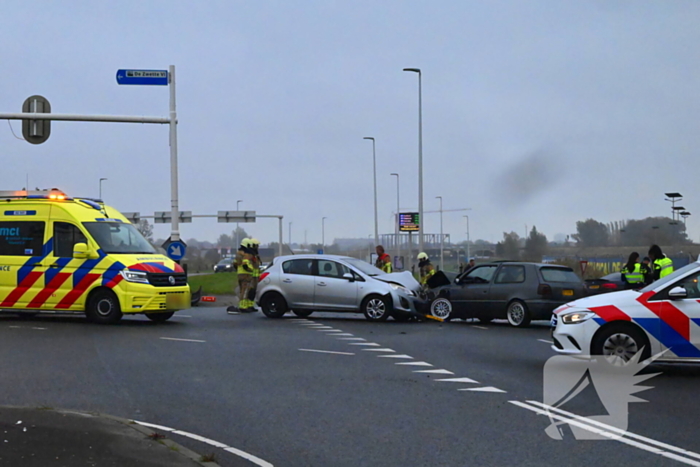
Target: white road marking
[[484, 389], [479, 327], [254, 459], [181, 340], [395, 356], [327, 351], [40, 329], [321, 327], [330, 330], [616, 430], [458, 380], [435, 372], [379, 350], [345, 334], [15, 327], [351, 339], [183, 316], [545, 341], [369, 344], [414, 363], [298, 319]]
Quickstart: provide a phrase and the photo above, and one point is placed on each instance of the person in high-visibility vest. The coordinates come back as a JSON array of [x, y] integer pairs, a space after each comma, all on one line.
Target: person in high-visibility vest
[[426, 269], [257, 263], [245, 277], [632, 273], [383, 260], [237, 263], [662, 265]]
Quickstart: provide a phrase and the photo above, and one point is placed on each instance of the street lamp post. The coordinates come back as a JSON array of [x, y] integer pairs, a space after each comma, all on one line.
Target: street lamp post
[[468, 255], [323, 232], [236, 236], [442, 241], [420, 155], [289, 234], [374, 165], [396, 226], [101, 180]]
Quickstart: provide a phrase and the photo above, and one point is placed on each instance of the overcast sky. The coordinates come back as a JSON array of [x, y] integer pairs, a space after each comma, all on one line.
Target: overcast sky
[[538, 112]]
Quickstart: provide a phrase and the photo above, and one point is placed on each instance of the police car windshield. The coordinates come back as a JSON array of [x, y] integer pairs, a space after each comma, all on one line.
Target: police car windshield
[[670, 278], [116, 237], [364, 267]]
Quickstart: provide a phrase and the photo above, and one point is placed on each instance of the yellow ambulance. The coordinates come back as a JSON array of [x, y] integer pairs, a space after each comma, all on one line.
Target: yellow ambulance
[[77, 255]]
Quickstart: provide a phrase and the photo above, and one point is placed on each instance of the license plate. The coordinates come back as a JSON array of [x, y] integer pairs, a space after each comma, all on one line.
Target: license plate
[[593, 286], [568, 293], [553, 322]]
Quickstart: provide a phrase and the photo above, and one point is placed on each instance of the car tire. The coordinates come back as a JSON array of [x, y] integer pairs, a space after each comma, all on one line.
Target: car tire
[[518, 314], [620, 341], [484, 319], [441, 308], [376, 308], [103, 308], [273, 305], [302, 313], [160, 317]]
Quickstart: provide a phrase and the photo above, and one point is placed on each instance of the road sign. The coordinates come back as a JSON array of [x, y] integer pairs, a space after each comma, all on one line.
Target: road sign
[[175, 250], [584, 266], [143, 77], [409, 222], [320, 251], [236, 216], [36, 131], [165, 217], [134, 217]]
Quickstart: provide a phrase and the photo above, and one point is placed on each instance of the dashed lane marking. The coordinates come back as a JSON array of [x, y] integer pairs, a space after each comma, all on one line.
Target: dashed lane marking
[[611, 432], [181, 340], [545, 341], [326, 351], [183, 316], [245, 455], [395, 356], [345, 334], [379, 350], [368, 344], [458, 380], [484, 389], [330, 330], [435, 372], [321, 327], [479, 327], [40, 329], [414, 363], [351, 339]]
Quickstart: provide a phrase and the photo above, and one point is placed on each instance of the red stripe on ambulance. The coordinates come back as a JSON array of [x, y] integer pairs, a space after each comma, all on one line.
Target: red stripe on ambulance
[[18, 291], [50, 288], [77, 291]]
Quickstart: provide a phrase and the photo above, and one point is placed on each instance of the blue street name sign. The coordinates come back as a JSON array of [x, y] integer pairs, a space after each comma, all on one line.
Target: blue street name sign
[[143, 77]]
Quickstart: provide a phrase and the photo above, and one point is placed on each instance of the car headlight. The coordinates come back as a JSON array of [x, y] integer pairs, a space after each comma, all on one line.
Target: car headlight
[[577, 317], [402, 289], [134, 276]]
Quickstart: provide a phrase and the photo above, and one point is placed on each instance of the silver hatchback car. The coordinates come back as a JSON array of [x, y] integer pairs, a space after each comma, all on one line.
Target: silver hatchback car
[[307, 283]]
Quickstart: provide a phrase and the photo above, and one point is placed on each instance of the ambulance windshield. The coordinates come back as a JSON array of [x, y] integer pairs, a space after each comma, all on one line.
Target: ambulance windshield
[[116, 237]]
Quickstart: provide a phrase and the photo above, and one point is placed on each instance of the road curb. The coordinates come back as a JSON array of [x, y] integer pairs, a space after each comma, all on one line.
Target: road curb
[[176, 447]]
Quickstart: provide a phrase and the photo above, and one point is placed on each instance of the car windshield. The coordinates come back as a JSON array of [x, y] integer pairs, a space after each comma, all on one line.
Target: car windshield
[[117, 237], [225, 261], [670, 278], [366, 268]]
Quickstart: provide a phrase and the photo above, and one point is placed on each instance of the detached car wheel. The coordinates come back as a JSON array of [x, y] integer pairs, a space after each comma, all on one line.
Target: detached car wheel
[[518, 314], [376, 308], [103, 308], [441, 308], [273, 305], [620, 342]]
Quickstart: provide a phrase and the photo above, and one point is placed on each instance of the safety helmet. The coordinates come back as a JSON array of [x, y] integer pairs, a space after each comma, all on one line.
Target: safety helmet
[[422, 255], [245, 242], [255, 241]]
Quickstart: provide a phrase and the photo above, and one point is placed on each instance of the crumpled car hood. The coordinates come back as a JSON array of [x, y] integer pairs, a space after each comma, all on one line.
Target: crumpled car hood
[[404, 278]]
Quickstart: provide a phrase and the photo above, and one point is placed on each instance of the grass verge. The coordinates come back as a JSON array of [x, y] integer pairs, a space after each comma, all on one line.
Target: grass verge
[[223, 283]]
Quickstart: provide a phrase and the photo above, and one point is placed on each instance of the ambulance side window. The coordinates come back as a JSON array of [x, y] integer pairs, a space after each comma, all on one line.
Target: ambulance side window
[[65, 236], [21, 238]]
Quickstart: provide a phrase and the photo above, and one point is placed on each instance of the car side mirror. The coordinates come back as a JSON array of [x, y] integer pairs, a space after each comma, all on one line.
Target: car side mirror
[[677, 293], [457, 280], [349, 277]]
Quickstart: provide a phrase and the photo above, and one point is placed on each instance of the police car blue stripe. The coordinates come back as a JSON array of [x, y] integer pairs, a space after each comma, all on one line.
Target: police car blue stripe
[[669, 337]]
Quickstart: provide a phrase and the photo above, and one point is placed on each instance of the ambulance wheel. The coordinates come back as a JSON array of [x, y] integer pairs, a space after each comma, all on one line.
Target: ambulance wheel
[[619, 342], [273, 305], [103, 308], [160, 317], [302, 313]]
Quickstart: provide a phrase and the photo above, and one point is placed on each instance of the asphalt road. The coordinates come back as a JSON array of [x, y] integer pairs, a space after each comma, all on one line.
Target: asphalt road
[[267, 388]]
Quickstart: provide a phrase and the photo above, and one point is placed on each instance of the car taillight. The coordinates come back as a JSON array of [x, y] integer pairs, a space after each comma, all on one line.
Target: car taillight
[[544, 289], [264, 275], [609, 285]]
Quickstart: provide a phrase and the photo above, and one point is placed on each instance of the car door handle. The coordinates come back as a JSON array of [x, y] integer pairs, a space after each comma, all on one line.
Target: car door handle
[[322, 284], [287, 281]]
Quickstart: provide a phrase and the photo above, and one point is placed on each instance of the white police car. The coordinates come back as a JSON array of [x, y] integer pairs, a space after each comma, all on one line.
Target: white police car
[[663, 317]]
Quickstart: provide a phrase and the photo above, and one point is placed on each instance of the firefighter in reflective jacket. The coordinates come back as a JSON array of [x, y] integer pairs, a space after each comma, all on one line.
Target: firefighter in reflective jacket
[[426, 269], [632, 273], [662, 265], [257, 262], [383, 260], [244, 268]]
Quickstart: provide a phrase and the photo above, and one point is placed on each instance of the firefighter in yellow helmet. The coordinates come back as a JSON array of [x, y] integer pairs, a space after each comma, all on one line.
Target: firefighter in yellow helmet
[[426, 269], [244, 268], [257, 263]]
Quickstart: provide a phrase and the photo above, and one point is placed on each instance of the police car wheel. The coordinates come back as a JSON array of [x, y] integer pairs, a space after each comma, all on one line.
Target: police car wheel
[[441, 308], [517, 314], [273, 305], [160, 317], [103, 308], [376, 308], [302, 313], [619, 342]]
